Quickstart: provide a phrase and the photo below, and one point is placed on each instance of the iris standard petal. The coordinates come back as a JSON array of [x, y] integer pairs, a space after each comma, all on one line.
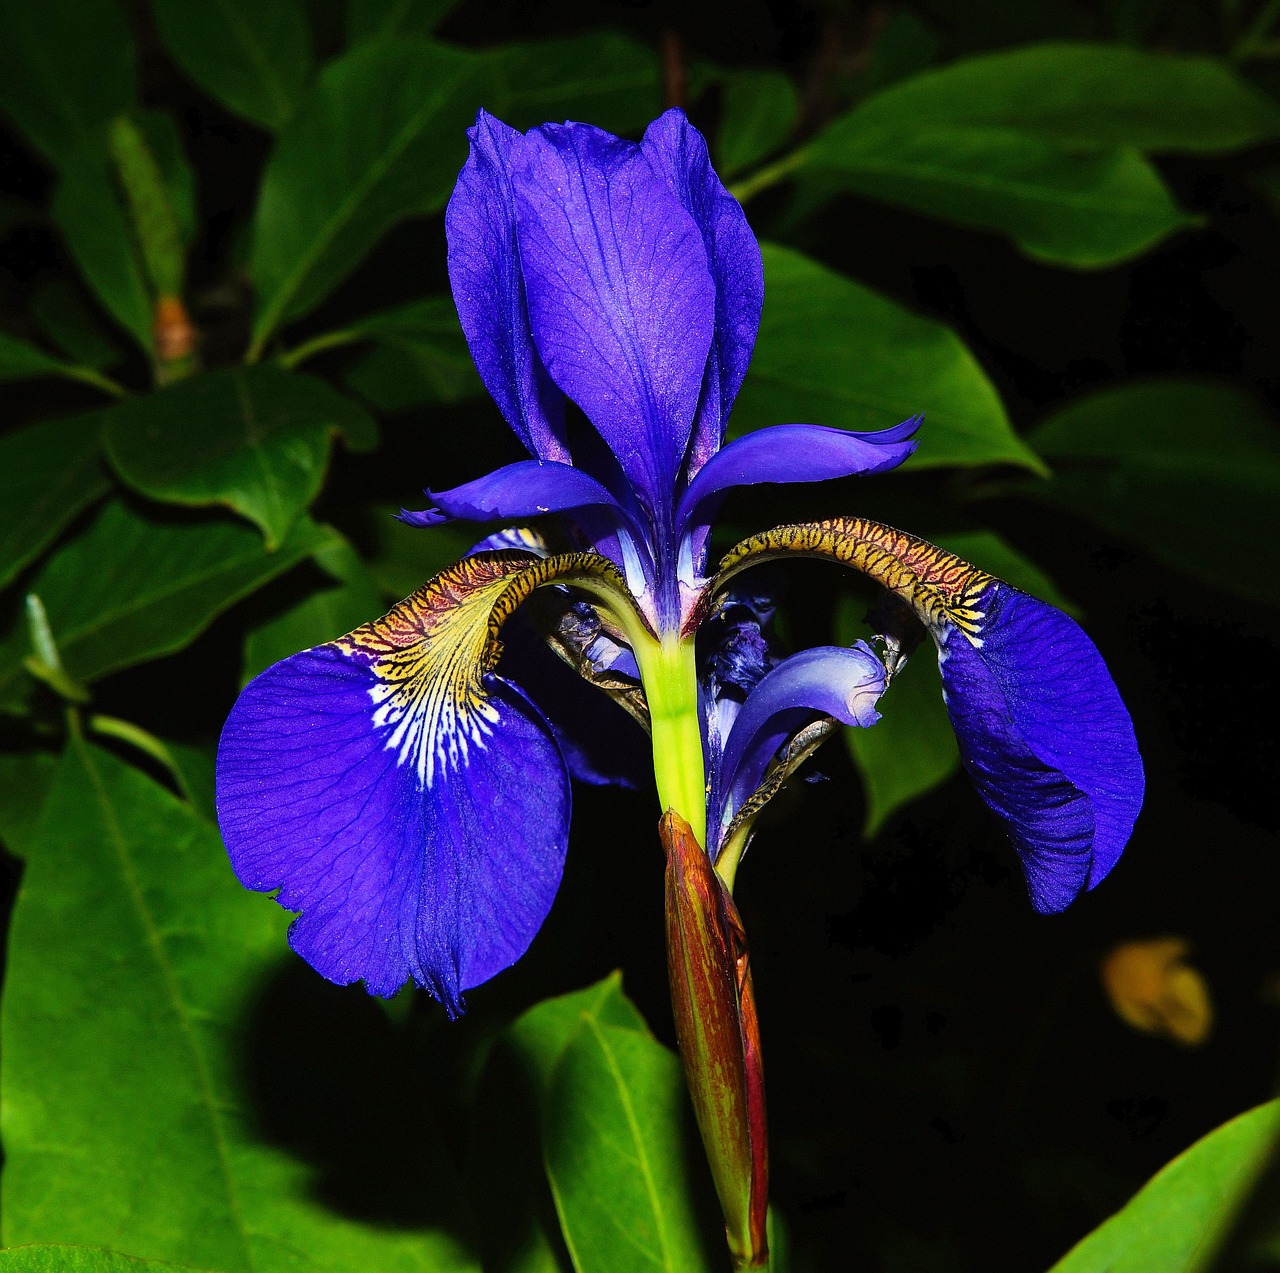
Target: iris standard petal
[[527, 488], [836, 681], [1046, 738], [488, 289], [620, 297], [678, 151], [794, 453], [440, 868]]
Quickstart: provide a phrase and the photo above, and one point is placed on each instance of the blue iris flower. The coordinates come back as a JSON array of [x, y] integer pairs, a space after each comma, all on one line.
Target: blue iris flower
[[411, 801]]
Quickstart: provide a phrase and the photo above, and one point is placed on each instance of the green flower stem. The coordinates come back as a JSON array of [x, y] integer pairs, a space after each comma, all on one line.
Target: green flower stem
[[671, 688], [768, 176], [290, 358]]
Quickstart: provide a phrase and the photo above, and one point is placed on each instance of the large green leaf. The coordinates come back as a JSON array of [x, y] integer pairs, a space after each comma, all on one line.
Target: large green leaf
[[1085, 93], [1188, 470], [517, 1227], [348, 598], [1042, 143], [89, 208], [759, 110], [912, 748], [65, 68], [614, 1146], [832, 352], [131, 589], [1083, 207], [254, 56], [48, 473], [1177, 1219], [51, 1258], [134, 959], [256, 439], [604, 78], [20, 360], [391, 19], [380, 138], [421, 356], [25, 779]]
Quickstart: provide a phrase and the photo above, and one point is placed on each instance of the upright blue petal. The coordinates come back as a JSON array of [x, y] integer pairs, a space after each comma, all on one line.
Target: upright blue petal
[[620, 297], [678, 151], [488, 289], [1046, 738]]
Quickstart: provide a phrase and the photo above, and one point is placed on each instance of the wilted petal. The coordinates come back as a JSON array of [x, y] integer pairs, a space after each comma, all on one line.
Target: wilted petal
[[794, 453], [619, 293], [1046, 738], [488, 289], [678, 151]]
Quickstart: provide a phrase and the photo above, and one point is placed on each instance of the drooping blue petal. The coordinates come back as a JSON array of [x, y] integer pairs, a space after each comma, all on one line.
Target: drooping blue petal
[[488, 289], [678, 151], [823, 681], [793, 453], [527, 488], [1046, 739], [620, 298]]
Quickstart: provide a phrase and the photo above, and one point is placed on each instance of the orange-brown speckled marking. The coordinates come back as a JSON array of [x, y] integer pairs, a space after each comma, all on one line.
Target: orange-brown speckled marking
[[940, 587], [430, 651]]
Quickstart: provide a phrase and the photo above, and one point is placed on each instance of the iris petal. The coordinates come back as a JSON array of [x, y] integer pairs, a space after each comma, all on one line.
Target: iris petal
[[488, 289], [527, 488], [678, 151], [620, 297], [1046, 739], [825, 681], [794, 453], [444, 880]]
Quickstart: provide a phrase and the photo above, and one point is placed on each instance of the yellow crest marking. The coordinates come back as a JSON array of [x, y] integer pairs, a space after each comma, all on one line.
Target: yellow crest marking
[[430, 652], [941, 588]]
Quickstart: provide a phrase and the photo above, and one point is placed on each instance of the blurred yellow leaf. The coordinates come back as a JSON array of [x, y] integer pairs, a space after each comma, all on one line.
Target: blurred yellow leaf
[[1153, 989]]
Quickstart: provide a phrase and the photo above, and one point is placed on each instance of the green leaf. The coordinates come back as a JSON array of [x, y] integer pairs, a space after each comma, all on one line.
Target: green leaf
[[614, 1146], [348, 598], [832, 352], [66, 67], [70, 323], [255, 439], [912, 748], [253, 56], [421, 356], [605, 78], [380, 138], [134, 960], [1042, 143], [759, 111], [387, 19], [48, 474], [22, 361], [90, 210], [1179, 1216], [1085, 208], [131, 589], [1188, 470], [517, 1230], [407, 556], [1079, 93], [45, 1258], [25, 780]]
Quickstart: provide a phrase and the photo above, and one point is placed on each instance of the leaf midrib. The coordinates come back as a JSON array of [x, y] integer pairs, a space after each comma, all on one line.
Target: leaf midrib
[[173, 995]]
